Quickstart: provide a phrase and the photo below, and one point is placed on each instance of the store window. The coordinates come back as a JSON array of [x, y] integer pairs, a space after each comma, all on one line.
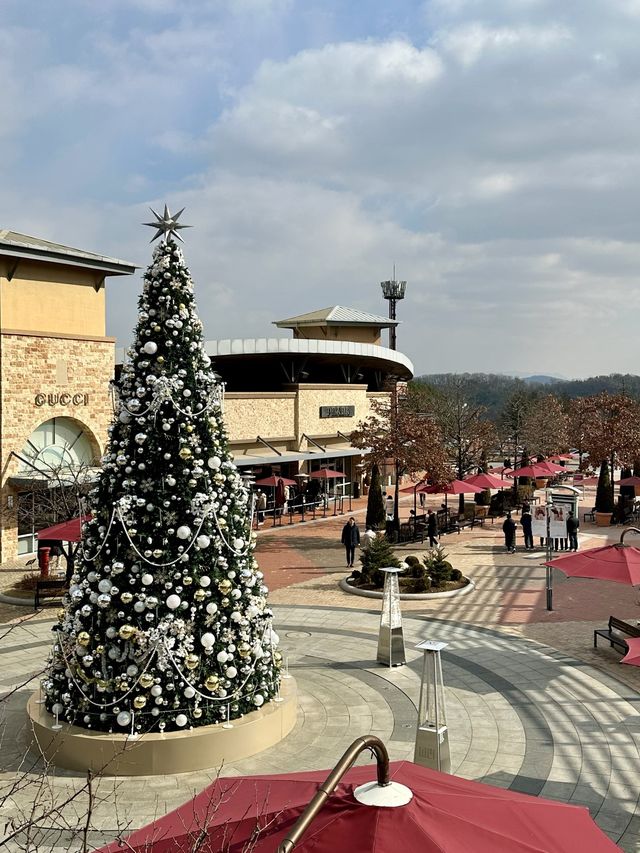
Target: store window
[[58, 456]]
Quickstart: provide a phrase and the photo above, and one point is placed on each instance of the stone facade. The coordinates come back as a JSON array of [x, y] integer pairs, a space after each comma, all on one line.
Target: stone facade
[[44, 377]]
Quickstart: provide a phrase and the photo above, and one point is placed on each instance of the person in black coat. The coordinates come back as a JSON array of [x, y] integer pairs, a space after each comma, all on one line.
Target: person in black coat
[[573, 525], [350, 538], [432, 528], [509, 530], [526, 522]]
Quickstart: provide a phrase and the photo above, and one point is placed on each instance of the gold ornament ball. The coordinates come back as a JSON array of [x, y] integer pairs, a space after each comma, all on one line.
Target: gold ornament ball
[[244, 650], [123, 686], [83, 638], [187, 580], [182, 306], [145, 680], [191, 661], [197, 713], [211, 682], [189, 427], [101, 684], [139, 702], [160, 359], [100, 649], [157, 553], [225, 586], [60, 614], [184, 453], [277, 656], [199, 595], [157, 328], [126, 598], [125, 632]]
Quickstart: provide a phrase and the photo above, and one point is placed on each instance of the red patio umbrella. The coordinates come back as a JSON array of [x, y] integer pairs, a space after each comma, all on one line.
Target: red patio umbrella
[[629, 481], [633, 655], [327, 474], [619, 562], [550, 467], [66, 531], [538, 469], [486, 481], [446, 814], [454, 487], [273, 481], [559, 457]]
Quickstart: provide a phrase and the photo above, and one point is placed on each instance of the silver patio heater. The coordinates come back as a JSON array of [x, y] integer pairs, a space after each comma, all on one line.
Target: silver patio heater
[[432, 734], [391, 638]]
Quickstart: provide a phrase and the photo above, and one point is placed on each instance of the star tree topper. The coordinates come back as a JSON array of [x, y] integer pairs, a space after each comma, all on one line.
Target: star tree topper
[[166, 224]]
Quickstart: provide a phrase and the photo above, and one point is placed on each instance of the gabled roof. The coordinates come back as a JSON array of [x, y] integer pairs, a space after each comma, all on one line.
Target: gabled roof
[[21, 246], [337, 315]]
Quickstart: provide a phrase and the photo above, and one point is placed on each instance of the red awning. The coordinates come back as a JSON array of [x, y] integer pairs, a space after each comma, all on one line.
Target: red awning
[[66, 531]]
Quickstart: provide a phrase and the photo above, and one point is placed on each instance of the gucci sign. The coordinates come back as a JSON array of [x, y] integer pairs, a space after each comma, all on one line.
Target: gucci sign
[[63, 399]]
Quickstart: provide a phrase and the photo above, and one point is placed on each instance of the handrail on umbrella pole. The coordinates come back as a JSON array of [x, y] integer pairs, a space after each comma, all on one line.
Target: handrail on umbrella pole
[[331, 782], [628, 530]]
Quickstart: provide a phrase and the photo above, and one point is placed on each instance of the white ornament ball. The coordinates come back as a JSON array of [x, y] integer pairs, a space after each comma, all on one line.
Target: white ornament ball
[[204, 581], [203, 541], [138, 606], [105, 585], [211, 608], [104, 600], [183, 532], [58, 708], [147, 579], [132, 670], [181, 720], [171, 481], [123, 718], [173, 602], [222, 657], [214, 462], [208, 640], [188, 692], [156, 690], [258, 700], [231, 672], [151, 348]]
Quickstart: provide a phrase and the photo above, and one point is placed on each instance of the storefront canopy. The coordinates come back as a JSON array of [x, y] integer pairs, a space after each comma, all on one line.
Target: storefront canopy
[[66, 531]]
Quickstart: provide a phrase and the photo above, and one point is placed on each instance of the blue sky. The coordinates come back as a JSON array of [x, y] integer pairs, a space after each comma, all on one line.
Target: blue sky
[[488, 148]]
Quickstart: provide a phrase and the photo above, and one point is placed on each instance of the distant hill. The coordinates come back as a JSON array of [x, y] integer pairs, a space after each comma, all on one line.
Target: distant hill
[[541, 380], [493, 389]]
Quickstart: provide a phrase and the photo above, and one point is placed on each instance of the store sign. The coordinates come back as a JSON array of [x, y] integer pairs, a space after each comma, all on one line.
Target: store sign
[[63, 399], [337, 411]]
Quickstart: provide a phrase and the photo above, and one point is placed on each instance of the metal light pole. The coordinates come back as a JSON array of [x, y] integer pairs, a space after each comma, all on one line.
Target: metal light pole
[[549, 584], [393, 291]]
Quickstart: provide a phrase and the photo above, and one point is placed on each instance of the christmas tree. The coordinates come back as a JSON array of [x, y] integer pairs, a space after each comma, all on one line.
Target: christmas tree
[[166, 623]]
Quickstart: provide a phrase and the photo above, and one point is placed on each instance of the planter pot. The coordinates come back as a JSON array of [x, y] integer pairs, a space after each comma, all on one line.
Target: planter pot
[[603, 519], [482, 511], [541, 482]]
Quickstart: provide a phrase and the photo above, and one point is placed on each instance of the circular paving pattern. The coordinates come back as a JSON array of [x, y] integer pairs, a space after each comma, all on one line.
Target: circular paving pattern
[[520, 716]]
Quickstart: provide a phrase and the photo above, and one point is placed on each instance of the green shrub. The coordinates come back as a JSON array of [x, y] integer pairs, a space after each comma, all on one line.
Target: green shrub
[[604, 492], [378, 555], [438, 567], [416, 569], [483, 498], [376, 513], [456, 575]]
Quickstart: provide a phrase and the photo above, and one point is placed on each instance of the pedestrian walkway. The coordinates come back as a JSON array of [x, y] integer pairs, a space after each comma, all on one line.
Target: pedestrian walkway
[[521, 716]]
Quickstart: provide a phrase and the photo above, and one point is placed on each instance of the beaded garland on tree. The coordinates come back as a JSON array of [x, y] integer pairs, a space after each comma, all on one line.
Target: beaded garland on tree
[[166, 623]]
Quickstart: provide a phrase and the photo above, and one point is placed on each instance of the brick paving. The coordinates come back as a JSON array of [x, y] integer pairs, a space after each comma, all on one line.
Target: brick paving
[[532, 706]]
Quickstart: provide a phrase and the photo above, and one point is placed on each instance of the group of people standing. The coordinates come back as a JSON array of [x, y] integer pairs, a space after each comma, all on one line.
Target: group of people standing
[[509, 529]]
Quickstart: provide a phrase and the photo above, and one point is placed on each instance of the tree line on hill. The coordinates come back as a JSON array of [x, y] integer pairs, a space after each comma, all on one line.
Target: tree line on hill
[[492, 390]]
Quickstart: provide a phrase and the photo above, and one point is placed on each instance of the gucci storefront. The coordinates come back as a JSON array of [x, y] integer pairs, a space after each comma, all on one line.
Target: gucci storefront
[[56, 363]]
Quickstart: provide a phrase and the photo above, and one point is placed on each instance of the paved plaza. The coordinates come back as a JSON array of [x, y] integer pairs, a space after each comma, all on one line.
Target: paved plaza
[[531, 706]]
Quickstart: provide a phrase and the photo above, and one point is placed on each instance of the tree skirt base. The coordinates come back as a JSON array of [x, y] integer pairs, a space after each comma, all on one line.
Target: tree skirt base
[[155, 754]]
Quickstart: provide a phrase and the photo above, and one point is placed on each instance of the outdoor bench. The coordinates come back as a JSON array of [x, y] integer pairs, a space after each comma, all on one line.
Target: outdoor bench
[[52, 588], [615, 633]]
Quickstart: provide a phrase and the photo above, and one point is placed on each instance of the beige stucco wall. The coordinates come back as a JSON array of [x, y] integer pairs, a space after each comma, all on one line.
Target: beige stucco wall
[[357, 334], [52, 298], [311, 397], [266, 414], [76, 372]]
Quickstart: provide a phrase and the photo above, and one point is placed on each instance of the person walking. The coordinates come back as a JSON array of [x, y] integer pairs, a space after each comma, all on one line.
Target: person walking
[[573, 525], [350, 538], [389, 506], [369, 536], [526, 521], [432, 528], [509, 530], [261, 506]]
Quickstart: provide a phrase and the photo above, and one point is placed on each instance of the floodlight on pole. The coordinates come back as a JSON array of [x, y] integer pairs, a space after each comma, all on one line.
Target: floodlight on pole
[[393, 291]]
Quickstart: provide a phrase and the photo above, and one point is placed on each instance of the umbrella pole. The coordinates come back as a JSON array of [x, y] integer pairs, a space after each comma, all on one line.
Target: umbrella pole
[[332, 781], [549, 575]]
